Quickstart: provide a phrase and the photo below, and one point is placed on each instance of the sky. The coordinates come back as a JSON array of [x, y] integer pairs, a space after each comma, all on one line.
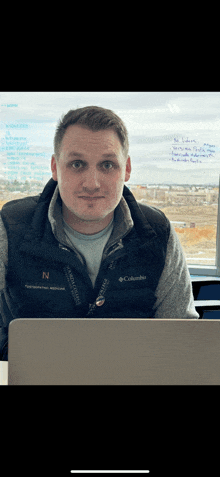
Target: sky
[[174, 137]]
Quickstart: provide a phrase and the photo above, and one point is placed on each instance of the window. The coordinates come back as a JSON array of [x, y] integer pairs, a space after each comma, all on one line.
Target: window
[[174, 147]]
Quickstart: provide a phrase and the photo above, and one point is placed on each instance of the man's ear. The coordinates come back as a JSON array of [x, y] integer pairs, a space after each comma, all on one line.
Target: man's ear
[[128, 169], [54, 167]]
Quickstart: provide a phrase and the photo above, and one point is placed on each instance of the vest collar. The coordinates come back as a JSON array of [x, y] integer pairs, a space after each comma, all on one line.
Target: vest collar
[[127, 215], [123, 221]]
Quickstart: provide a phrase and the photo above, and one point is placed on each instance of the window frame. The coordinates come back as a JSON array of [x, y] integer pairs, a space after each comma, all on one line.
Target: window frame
[[210, 270]]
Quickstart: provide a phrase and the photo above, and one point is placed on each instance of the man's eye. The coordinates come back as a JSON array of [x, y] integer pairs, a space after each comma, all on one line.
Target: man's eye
[[107, 165], [77, 164]]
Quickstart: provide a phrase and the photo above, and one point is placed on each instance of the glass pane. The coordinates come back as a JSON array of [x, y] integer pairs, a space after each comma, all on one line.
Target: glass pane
[[192, 212], [174, 142]]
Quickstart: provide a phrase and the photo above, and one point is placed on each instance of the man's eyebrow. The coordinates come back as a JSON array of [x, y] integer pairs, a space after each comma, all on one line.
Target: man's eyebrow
[[74, 154], [109, 155]]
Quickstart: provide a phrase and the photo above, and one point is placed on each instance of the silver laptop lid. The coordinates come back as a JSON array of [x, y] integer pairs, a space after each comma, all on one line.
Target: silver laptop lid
[[113, 351]]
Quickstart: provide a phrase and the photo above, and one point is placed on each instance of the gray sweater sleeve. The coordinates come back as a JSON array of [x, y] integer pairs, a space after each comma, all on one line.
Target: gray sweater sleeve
[[3, 254], [3, 268], [174, 291]]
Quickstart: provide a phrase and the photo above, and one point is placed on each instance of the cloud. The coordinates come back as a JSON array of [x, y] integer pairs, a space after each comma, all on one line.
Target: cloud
[[173, 108]]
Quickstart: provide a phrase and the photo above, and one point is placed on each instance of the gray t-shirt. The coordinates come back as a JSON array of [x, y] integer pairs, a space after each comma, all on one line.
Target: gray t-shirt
[[90, 246]]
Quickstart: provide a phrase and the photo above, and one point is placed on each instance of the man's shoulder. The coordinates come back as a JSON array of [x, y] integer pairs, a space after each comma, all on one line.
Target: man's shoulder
[[153, 215], [19, 209], [22, 208]]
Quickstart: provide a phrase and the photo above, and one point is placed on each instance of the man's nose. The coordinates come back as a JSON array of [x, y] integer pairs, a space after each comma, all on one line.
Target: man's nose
[[91, 180]]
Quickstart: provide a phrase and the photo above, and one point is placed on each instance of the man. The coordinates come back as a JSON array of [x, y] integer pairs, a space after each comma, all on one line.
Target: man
[[85, 247]]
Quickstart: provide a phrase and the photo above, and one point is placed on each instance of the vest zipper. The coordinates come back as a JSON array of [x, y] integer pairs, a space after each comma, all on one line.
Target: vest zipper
[[115, 247], [72, 285], [101, 295]]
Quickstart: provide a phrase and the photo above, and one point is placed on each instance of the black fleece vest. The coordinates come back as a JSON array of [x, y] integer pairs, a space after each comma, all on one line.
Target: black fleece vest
[[47, 280]]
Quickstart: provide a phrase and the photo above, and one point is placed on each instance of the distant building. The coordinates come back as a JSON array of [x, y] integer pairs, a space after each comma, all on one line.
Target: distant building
[[178, 224], [176, 195]]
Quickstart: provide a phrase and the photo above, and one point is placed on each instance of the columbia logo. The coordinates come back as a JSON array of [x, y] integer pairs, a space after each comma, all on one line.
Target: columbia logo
[[130, 279]]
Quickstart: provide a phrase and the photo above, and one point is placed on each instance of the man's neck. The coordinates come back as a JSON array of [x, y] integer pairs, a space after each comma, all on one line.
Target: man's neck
[[86, 227]]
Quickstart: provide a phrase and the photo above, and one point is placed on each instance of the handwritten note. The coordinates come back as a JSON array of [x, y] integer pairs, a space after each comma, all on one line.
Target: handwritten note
[[188, 150], [18, 159]]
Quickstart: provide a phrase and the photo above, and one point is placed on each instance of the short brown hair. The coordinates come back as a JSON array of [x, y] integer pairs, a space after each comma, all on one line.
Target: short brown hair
[[94, 118]]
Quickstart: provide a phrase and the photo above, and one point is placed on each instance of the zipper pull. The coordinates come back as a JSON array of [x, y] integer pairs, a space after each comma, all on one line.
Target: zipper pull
[[115, 247], [64, 248]]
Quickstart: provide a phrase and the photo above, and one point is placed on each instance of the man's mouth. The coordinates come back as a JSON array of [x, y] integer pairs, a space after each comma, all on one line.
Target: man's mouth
[[84, 197]]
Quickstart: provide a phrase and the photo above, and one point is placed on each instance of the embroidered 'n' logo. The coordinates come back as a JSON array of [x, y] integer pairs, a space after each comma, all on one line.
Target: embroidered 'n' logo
[[45, 275]]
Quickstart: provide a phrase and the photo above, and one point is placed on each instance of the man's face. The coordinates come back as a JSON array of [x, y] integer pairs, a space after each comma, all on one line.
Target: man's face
[[91, 172]]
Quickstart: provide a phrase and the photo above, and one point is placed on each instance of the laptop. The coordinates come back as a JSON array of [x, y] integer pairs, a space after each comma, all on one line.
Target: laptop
[[113, 352]]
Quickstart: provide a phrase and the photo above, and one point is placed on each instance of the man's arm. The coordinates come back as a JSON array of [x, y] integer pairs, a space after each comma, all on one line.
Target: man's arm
[[174, 291], [3, 254], [3, 268]]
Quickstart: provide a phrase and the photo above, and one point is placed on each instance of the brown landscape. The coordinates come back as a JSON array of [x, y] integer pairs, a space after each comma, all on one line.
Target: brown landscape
[[14, 196], [198, 236], [198, 242]]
